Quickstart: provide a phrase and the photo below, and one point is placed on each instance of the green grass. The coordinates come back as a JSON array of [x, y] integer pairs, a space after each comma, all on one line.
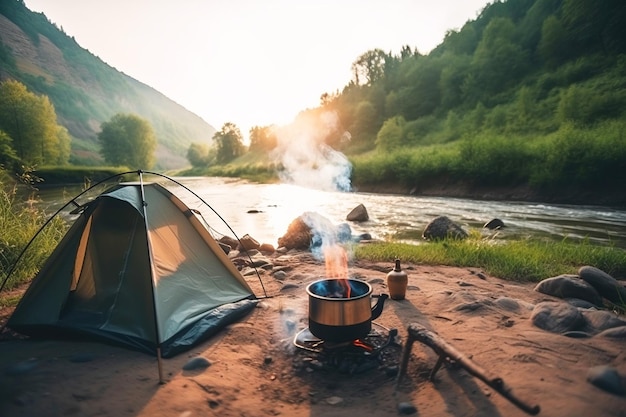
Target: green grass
[[522, 260], [19, 222]]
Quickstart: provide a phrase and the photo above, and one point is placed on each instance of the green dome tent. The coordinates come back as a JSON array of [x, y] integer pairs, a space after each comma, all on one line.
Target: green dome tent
[[137, 268]]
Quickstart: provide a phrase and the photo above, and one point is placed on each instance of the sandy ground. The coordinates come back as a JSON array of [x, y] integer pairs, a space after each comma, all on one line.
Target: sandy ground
[[257, 371]]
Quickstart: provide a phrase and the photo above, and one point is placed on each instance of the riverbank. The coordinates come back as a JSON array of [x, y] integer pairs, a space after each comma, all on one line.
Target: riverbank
[[253, 367], [525, 193], [441, 187]]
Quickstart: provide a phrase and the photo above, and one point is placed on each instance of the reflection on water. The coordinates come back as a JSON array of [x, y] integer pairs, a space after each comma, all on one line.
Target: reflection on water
[[264, 211]]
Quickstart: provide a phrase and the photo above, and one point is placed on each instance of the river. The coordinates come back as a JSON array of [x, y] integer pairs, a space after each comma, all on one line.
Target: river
[[264, 211]]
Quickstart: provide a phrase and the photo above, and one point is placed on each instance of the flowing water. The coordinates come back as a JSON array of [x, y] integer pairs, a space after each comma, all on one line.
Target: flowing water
[[264, 211]]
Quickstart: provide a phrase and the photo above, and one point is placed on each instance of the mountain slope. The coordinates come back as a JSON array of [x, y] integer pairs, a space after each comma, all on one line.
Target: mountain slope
[[86, 91]]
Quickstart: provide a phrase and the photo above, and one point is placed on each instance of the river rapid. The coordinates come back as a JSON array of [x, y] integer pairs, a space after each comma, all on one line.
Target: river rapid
[[264, 211]]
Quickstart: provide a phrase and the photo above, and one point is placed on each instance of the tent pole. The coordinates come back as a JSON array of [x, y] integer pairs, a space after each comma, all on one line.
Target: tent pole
[[152, 282]]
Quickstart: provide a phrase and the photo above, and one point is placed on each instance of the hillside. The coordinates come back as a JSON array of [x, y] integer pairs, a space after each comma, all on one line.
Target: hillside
[[86, 91]]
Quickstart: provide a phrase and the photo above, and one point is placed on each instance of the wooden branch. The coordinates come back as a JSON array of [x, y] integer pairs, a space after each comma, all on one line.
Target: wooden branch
[[447, 352]]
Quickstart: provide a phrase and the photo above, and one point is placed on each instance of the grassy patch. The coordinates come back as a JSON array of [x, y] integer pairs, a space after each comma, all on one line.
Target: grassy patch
[[516, 260], [19, 222]]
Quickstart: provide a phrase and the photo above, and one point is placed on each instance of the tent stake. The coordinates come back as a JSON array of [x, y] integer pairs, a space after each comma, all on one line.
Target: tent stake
[[160, 365]]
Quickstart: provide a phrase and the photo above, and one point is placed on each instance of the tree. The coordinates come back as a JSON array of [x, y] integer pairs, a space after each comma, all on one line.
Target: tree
[[420, 94], [391, 134], [365, 124], [64, 149], [229, 143], [453, 74], [593, 27], [7, 153], [31, 122], [555, 45], [369, 67], [499, 61], [198, 155], [262, 139], [128, 140]]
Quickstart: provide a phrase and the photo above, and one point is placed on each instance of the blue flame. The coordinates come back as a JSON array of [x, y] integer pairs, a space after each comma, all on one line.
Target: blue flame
[[332, 288]]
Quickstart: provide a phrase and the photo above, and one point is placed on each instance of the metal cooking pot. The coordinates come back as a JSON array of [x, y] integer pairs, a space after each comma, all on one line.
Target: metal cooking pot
[[336, 318]]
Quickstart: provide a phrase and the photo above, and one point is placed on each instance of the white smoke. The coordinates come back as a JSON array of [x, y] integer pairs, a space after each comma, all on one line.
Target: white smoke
[[305, 157]]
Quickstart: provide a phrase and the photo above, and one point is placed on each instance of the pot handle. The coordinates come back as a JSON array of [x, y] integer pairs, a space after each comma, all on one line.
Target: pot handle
[[378, 307]]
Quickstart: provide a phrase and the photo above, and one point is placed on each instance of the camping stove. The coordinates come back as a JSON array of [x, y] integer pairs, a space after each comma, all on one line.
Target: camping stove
[[378, 348]]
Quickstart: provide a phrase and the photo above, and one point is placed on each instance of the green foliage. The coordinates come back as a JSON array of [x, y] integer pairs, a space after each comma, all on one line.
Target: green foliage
[[571, 157], [495, 160], [199, 155], [8, 157], [418, 132], [581, 104], [229, 143], [515, 71], [262, 139], [19, 222], [499, 62], [419, 94], [30, 121], [522, 260], [369, 67], [409, 167], [452, 78], [365, 123], [84, 89], [7, 61], [594, 27], [567, 158], [555, 45], [391, 135], [262, 172], [128, 140]]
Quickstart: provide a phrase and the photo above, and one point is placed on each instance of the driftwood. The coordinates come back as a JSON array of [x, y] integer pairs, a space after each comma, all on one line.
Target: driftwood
[[448, 353]]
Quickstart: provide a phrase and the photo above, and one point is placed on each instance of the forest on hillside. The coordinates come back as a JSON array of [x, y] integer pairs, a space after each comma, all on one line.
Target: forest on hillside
[[531, 93], [85, 91], [522, 67]]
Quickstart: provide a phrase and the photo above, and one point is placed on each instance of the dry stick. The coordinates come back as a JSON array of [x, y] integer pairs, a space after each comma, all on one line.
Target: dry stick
[[448, 353]]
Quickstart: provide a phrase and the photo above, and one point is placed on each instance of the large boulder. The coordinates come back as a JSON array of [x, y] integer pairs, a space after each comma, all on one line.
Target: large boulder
[[298, 235], [312, 231], [557, 317], [598, 321], [358, 214], [247, 243], [607, 286], [231, 242], [494, 224], [608, 379], [569, 286], [441, 228]]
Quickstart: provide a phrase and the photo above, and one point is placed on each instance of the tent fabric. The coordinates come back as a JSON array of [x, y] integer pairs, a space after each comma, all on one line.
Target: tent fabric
[[143, 274]]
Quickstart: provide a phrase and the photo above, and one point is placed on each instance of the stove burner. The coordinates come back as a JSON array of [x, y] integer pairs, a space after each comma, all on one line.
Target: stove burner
[[378, 348], [378, 338]]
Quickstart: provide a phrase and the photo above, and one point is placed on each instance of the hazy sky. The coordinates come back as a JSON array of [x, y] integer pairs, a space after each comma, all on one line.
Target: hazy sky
[[250, 62]]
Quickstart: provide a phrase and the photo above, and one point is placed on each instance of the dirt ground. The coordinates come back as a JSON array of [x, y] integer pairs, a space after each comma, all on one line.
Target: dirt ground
[[256, 370]]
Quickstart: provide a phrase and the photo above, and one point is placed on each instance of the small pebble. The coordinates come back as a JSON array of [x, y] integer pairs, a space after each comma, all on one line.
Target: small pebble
[[607, 378], [289, 287], [406, 408], [280, 275], [196, 363], [334, 400], [21, 367]]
